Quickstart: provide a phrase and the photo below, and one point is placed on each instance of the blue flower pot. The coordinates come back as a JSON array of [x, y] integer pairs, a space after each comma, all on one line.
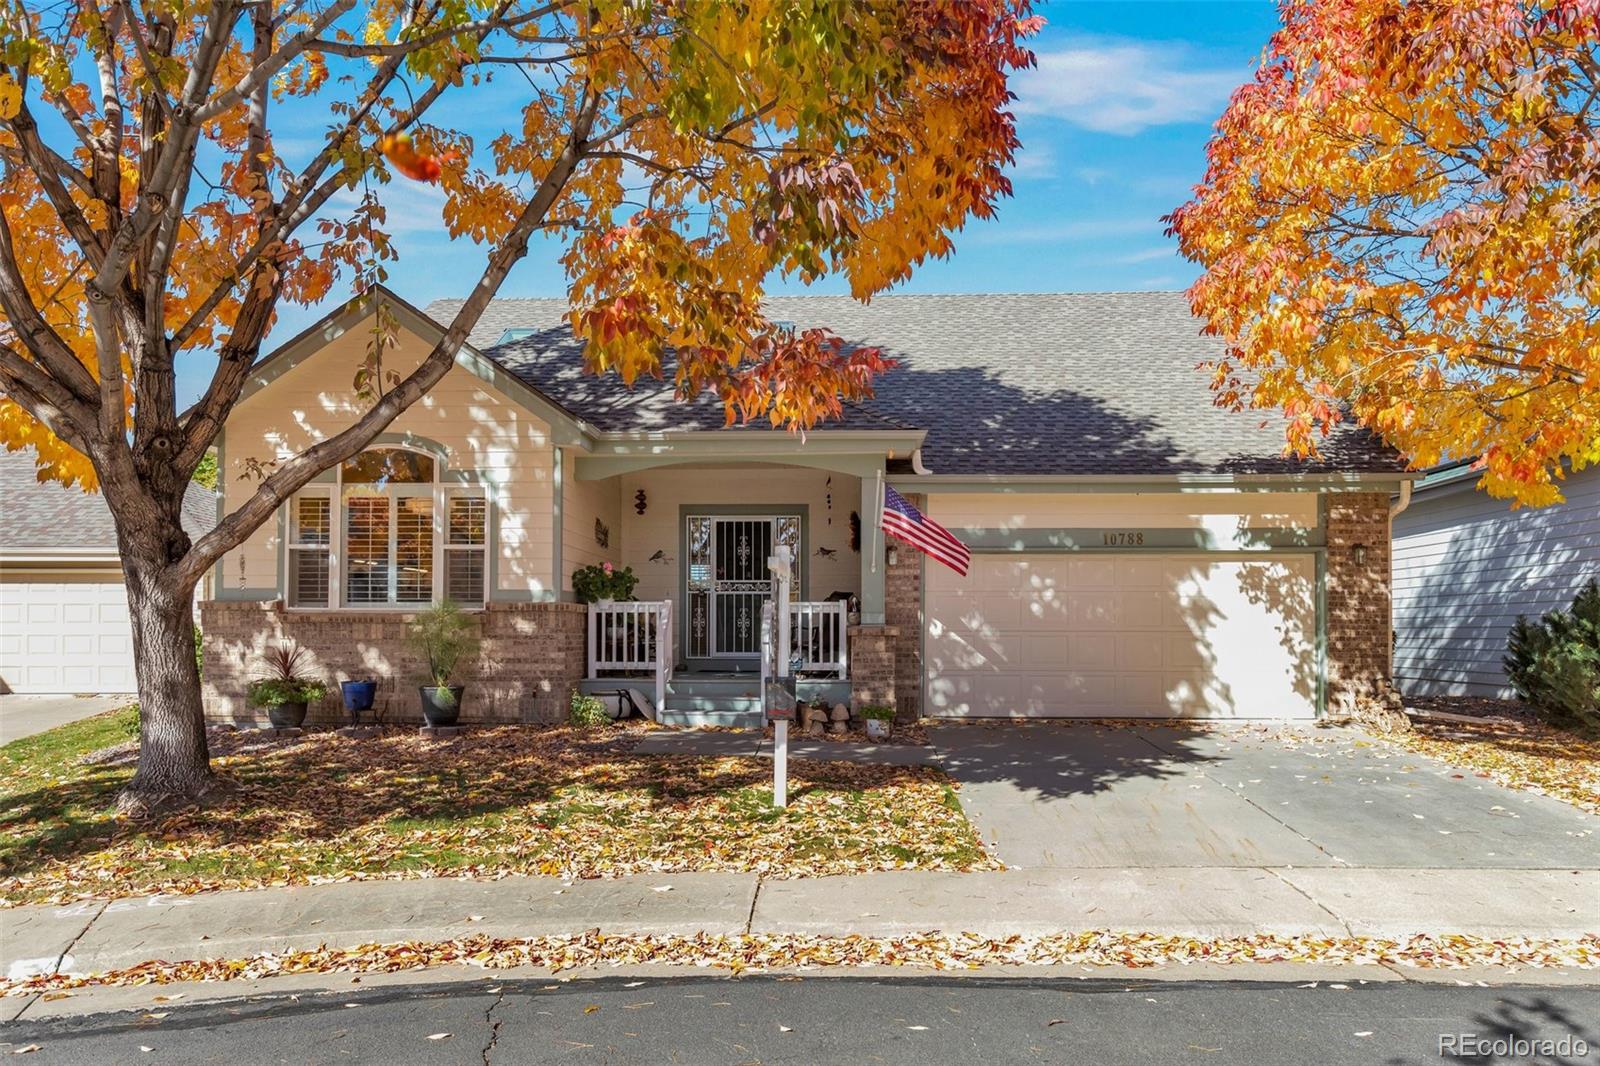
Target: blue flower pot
[[358, 696]]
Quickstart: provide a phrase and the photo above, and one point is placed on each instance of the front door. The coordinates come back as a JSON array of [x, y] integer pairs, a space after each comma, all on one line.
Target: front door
[[726, 583]]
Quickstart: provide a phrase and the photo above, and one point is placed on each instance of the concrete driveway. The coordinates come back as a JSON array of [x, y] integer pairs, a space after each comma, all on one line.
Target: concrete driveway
[[23, 716], [1050, 795]]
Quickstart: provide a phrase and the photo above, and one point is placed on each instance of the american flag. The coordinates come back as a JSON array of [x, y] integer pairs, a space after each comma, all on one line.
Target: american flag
[[904, 521]]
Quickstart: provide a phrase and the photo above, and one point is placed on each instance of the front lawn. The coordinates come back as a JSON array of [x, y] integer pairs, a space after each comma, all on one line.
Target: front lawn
[[493, 801]]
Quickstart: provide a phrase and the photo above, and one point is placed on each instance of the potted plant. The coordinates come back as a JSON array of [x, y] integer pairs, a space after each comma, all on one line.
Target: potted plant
[[446, 638], [358, 697], [603, 583], [287, 686], [877, 719]]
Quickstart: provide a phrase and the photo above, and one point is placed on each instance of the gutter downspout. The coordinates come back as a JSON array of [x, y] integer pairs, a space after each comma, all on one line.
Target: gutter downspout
[[916, 464], [1402, 503]]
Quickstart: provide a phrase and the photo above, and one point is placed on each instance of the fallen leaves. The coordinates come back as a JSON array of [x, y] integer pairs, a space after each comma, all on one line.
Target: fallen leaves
[[762, 952], [513, 800], [1522, 754]]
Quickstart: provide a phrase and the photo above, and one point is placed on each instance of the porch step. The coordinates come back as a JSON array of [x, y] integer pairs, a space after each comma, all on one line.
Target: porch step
[[717, 700], [688, 717]]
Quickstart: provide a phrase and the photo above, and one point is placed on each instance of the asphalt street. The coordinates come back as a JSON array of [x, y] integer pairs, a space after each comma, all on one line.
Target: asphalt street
[[911, 1020]]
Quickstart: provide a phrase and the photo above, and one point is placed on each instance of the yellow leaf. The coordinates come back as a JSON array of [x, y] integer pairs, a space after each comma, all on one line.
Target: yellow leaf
[[10, 97]]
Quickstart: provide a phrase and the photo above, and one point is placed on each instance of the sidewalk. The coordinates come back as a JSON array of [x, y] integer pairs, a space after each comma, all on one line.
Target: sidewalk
[[1199, 902]]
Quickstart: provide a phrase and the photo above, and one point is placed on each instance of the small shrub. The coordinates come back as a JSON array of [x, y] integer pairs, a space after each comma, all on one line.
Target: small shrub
[[1554, 663], [587, 712], [199, 654], [877, 712]]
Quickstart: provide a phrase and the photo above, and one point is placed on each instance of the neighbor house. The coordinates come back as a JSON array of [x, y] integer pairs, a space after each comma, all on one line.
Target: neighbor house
[[63, 605], [1467, 564], [1138, 551]]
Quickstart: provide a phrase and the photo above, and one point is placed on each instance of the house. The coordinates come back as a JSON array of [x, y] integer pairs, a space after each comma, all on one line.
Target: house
[[1138, 551], [63, 606], [1466, 565]]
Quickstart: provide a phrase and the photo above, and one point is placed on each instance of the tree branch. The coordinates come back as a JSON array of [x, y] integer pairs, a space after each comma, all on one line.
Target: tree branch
[[298, 471], [42, 341], [45, 398], [261, 74]]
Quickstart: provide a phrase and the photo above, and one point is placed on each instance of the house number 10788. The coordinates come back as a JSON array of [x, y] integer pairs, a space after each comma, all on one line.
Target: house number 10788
[[1123, 537]]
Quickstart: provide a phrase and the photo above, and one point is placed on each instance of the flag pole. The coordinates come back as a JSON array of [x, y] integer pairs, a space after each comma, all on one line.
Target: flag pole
[[877, 519]]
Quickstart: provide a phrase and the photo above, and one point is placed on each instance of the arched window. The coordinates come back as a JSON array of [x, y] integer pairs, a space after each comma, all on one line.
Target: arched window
[[402, 539]]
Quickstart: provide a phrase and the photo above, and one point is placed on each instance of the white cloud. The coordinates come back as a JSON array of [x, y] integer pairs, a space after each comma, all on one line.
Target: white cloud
[[1125, 87], [1096, 231], [410, 206], [1035, 159], [1148, 255]]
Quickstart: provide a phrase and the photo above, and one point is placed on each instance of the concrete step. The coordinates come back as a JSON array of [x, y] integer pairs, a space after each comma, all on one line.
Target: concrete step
[[681, 702], [690, 717]]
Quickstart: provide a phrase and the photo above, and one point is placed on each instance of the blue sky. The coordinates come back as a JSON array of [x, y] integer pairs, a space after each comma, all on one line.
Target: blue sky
[[1113, 122]]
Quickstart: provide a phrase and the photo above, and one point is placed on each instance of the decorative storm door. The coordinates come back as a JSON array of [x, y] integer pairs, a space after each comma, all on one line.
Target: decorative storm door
[[727, 582]]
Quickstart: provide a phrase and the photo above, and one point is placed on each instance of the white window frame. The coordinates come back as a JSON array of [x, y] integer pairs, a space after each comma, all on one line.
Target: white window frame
[[441, 572], [439, 493], [291, 545]]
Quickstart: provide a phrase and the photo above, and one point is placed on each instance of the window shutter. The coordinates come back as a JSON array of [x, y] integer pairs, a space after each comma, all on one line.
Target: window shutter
[[414, 549], [466, 541], [310, 537], [366, 538]]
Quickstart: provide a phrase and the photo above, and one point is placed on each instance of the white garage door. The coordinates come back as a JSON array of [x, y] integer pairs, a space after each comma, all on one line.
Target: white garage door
[[65, 636], [1123, 636]]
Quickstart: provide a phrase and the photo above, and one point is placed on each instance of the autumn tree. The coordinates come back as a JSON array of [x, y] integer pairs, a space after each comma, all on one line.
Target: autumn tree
[[685, 151], [1400, 223]]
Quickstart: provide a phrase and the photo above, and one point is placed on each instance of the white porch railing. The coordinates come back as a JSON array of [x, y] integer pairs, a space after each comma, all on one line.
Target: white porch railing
[[817, 636], [632, 638]]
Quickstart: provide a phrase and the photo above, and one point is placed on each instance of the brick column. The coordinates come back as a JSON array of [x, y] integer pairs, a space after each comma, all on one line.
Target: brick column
[[872, 668], [1359, 621], [903, 610]]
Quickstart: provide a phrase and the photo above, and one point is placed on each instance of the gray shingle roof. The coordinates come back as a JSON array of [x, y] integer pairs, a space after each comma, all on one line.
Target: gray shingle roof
[[41, 516], [1073, 383]]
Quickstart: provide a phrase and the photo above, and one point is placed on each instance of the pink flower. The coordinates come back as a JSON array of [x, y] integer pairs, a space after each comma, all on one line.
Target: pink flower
[[607, 567]]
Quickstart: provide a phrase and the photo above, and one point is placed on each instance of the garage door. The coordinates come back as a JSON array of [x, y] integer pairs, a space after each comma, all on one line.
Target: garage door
[[1123, 635], [65, 636]]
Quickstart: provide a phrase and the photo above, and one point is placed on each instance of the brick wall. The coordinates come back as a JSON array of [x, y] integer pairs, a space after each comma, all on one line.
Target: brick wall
[[872, 667], [531, 658], [902, 608], [1358, 597]]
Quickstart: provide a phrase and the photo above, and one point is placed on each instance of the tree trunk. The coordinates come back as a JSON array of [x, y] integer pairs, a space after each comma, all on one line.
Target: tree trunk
[[174, 762]]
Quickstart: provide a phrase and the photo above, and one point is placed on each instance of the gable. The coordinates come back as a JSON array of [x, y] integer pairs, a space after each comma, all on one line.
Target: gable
[[342, 338]]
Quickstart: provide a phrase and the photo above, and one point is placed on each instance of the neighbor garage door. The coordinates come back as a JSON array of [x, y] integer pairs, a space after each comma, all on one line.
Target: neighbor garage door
[[64, 633], [1123, 635]]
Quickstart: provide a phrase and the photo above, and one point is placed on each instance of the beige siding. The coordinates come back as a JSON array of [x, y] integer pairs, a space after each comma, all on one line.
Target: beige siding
[[670, 488], [582, 504], [1220, 513], [481, 429]]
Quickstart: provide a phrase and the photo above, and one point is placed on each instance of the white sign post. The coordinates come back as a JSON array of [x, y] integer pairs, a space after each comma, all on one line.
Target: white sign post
[[780, 564]]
